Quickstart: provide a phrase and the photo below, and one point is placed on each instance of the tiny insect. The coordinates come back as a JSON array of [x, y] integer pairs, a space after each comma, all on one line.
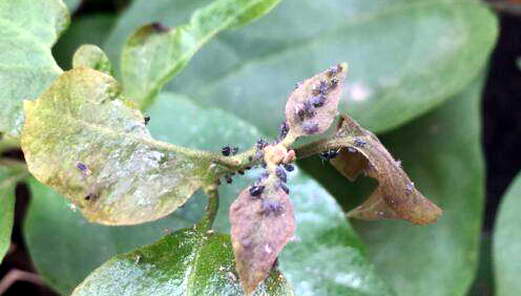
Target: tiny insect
[[147, 119], [329, 154], [360, 143], [226, 150], [334, 70], [256, 190], [90, 196], [283, 130], [159, 27], [409, 189], [289, 167], [318, 101], [281, 174], [228, 179], [269, 207], [310, 127], [334, 83], [83, 168], [234, 150], [261, 144], [284, 187], [321, 88]]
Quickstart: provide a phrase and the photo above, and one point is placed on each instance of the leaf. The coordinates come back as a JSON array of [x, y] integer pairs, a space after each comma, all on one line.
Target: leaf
[[313, 105], [91, 145], [442, 153], [85, 29], [156, 53], [65, 248], [72, 4], [93, 57], [396, 197], [261, 227], [507, 242], [9, 176], [27, 67], [184, 263], [406, 57]]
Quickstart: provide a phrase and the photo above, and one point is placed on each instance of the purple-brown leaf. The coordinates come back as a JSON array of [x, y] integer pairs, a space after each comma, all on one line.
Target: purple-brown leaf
[[262, 224], [313, 105], [396, 196]]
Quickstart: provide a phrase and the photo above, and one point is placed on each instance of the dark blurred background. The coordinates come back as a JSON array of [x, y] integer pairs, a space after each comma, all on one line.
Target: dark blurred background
[[501, 144]]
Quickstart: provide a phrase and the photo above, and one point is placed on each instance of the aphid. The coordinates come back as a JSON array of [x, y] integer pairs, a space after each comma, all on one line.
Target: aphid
[[281, 174], [226, 150], [321, 89], [334, 83], [284, 187], [159, 27], [241, 172], [318, 101], [228, 179], [234, 150], [261, 144], [147, 119], [306, 111], [360, 143], [334, 70], [329, 154], [256, 190], [310, 127], [83, 168], [409, 189], [90, 196], [289, 167], [283, 130], [269, 207]]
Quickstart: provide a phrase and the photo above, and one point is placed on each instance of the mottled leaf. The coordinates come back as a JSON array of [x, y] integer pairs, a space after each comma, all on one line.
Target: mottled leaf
[[396, 196], [313, 105], [85, 29], [156, 53], [262, 223], [9, 175], [184, 263], [93, 57], [29, 29], [91, 145], [507, 242]]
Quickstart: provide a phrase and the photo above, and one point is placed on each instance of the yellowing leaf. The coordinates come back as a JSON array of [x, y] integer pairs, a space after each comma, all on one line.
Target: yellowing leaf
[[91, 145], [396, 197]]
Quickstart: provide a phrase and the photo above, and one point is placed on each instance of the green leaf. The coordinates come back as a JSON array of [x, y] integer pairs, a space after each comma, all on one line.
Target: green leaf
[[507, 242], [65, 247], [72, 5], [93, 57], [9, 175], [156, 53], [91, 145], [86, 29], [185, 263], [29, 29], [442, 154], [405, 58]]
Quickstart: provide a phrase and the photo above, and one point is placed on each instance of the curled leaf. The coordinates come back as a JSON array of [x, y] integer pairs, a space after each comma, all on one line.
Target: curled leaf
[[313, 105], [262, 223], [91, 145], [396, 196]]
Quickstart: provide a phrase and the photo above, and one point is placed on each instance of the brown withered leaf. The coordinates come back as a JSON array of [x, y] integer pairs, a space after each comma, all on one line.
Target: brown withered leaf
[[313, 105], [396, 197], [261, 226]]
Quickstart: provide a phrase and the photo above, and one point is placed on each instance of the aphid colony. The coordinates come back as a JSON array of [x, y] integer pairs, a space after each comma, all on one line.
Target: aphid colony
[[307, 109]]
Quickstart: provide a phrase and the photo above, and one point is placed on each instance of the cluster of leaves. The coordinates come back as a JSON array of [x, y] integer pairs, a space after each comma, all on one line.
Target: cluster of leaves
[[84, 135]]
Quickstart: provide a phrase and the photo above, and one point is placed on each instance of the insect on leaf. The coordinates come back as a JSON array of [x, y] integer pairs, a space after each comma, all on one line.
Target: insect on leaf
[[86, 141], [313, 105], [262, 223], [396, 197]]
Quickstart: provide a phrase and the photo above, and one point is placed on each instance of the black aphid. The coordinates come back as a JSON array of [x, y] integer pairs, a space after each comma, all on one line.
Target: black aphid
[[334, 70], [261, 144], [228, 179], [147, 119], [82, 167], [360, 143], [310, 127], [256, 190], [284, 187], [306, 111], [234, 150], [281, 174], [318, 101], [226, 150], [334, 83], [269, 207], [241, 172], [283, 130], [409, 189], [159, 27], [289, 167], [323, 87], [90, 196], [329, 154]]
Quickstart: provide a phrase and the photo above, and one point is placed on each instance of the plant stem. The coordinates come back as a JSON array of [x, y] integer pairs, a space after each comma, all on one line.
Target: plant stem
[[319, 146], [212, 208]]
